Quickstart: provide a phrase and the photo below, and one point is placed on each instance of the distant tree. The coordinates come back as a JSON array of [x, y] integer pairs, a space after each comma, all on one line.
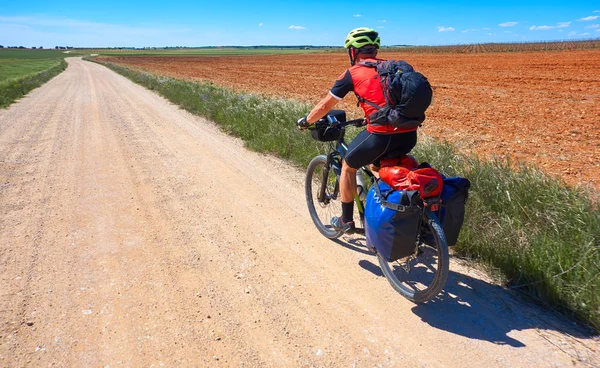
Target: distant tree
[[21, 47], [33, 48], [41, 47], [56, 47], [1, 47]]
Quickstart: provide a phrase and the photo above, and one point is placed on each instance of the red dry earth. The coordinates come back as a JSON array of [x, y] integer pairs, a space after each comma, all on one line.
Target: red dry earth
[[542, 108]]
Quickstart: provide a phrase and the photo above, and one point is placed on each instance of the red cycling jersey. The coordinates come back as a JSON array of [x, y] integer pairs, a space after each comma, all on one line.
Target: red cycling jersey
[[364, 81]]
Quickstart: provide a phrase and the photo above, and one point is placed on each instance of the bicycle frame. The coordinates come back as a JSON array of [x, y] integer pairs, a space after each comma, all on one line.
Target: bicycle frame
[[334, 160], [430, 240]]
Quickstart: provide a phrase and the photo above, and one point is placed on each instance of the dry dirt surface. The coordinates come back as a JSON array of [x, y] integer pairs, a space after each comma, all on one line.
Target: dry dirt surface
[[541, 108], [136, 234]]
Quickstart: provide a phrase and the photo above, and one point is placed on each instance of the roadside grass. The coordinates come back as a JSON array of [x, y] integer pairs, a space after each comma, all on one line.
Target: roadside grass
[[23, 70], [543, 235]]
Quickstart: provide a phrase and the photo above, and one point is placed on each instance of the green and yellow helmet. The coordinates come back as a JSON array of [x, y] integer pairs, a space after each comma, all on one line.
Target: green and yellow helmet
[[362, 36]]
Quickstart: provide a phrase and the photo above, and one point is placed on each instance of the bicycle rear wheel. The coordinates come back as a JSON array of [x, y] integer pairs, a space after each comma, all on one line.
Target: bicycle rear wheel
[[321, 177], [421, 276]]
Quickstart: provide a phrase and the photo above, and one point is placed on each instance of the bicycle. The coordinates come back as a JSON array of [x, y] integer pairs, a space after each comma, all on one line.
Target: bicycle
[[412, 276]]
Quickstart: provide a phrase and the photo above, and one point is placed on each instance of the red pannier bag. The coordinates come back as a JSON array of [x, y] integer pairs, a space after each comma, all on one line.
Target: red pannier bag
[[404, 174]]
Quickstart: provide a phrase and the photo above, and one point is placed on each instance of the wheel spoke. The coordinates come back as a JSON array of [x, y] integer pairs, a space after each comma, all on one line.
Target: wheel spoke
[[322, 211], [421, 276]]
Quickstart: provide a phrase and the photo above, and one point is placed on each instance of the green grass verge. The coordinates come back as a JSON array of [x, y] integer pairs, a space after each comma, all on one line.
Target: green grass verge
[[543, 235]]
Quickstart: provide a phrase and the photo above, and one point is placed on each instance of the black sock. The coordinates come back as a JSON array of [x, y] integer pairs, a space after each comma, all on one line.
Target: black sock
[[347, 211]]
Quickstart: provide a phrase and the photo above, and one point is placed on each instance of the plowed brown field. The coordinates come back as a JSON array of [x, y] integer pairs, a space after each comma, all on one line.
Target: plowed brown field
[[541, 108]]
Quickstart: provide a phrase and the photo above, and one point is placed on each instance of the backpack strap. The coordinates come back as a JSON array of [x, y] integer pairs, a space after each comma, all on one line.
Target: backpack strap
[[383, 74], [370, 64], [363, 100]]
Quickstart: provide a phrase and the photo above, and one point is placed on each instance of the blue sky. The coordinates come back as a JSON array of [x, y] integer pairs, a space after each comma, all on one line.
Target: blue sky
[[199, 23]]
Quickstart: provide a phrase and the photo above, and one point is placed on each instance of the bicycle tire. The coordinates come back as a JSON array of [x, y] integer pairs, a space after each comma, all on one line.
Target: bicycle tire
[[403, 283], [330, 208]]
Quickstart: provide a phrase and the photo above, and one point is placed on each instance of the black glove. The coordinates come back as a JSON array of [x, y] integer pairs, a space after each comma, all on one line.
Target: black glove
[[302, 123]]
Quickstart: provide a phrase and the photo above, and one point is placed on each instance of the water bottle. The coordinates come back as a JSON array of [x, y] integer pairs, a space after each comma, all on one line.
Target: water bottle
[[361, 186]]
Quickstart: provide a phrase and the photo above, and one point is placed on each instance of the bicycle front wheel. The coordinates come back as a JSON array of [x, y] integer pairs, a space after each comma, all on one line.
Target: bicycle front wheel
[[323, 195], [421, 276]]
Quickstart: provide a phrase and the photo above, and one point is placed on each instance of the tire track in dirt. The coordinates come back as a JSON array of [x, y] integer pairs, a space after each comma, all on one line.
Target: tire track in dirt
[[31, 162], [165, 241]]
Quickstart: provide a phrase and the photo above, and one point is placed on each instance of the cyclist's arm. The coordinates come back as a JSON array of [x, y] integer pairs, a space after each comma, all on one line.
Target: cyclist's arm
[[343, 85], [322, 108]]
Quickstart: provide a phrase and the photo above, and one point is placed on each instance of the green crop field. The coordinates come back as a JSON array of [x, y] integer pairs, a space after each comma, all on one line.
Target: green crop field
[[19, 64], [23, 70]]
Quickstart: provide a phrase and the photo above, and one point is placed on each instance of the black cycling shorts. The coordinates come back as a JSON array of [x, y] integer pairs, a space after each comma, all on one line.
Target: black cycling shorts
[[369, 148]]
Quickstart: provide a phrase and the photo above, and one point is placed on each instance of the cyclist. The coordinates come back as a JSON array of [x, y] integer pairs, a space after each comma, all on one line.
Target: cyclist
[[372, 143]]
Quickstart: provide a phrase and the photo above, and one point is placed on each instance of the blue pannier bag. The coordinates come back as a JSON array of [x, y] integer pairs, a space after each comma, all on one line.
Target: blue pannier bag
[[452, 211], [392, 220]]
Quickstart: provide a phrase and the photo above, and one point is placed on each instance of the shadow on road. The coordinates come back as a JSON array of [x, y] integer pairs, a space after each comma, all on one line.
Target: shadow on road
[[479, 310], [357, 244]]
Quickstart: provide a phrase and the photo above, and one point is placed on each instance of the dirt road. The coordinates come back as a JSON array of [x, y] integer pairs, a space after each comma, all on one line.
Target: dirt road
[[135, 234]]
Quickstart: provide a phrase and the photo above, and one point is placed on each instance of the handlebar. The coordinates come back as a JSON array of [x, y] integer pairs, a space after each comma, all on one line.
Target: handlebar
[[331, 121]]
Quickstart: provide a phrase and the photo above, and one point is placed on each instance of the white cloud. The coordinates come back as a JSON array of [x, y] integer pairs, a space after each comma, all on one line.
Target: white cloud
[[596, 11], [572, 33], [592, 26], [508, 24], [382, 21], [297, 27], [486, 29], [260, 24], [585, 34], [445, 29], [49, 31], [541, 28], [598, 30], [491, 34], [591, 17], [380, 26], [357, 15], [546, 28], [470, 30]]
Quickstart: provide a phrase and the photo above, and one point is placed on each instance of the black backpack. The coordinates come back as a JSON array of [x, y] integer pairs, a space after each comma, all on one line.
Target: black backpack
[[407, 95]]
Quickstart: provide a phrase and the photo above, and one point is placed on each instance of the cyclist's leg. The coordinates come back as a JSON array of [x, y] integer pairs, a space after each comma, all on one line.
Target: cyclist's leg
[[368, 148], [363, 150], [347, 192], [400, 144], [347, 183]]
